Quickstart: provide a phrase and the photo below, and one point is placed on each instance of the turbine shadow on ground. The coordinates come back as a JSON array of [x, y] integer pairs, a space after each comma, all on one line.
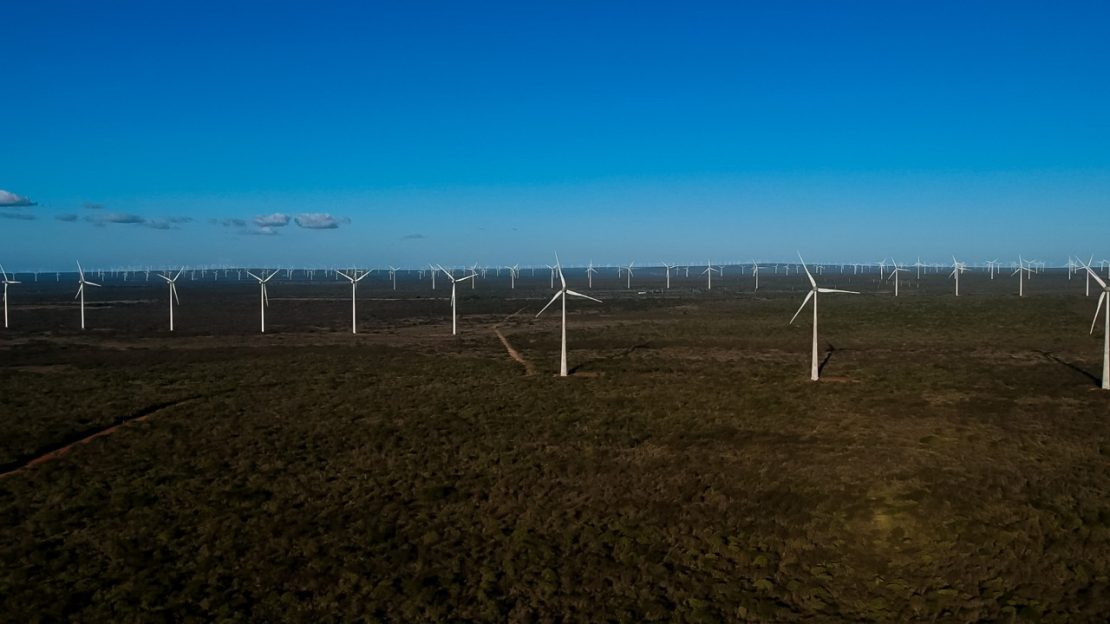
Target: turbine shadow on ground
[[1075, 367], [824, 362]]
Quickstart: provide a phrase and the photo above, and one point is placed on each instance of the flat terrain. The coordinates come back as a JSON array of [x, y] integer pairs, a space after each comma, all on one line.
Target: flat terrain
[[953, 465]]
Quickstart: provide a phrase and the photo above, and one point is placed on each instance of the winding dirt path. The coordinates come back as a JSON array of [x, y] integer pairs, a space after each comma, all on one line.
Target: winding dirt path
[[56, 450], [529, 369]]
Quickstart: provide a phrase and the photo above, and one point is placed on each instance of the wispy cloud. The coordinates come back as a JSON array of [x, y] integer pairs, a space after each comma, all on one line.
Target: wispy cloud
[[11, 200], [229, 222], [101, 220], [416, 236], [278, 219], [320, 221], [22, 216], [68, 218], [264, 230]]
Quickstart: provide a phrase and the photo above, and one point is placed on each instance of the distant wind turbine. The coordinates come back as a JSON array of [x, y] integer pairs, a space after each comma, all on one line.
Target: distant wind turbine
[[354, 285], [957, 268], [563, 292], [172, 282], [264, 299], [1021, 272], [708, 273], [814, 372], [7, 282], [894, 274], [454, 316], [82, 282]]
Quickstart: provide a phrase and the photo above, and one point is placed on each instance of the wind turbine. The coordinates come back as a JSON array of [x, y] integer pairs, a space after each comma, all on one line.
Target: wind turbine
[[628, 269], [590, 270], [669, 268], [894, 274], [512, 276], [563, 292], [264, 299], [957, 268], [454, 326], [81, 291], [1022, 269], [708, 273], [173, 291], [814, 372], [7, 281], [1102, 298], [393, 275], [755, 274], [552, 274], [354, 285]]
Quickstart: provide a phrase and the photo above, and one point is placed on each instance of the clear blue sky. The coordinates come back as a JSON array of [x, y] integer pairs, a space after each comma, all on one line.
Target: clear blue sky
[[497, 132]]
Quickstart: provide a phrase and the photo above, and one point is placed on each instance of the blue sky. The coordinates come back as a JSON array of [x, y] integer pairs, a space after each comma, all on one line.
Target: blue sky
[[410, 132]]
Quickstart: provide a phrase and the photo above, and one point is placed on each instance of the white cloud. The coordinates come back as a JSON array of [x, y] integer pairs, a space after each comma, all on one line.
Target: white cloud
[[320, 221], [278, 219], [11, 200]]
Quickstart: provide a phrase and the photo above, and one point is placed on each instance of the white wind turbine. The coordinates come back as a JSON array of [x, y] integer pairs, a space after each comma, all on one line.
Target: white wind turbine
[[7, 282], [1021, 271], [957, 268], [708, 273], [81, 291], [628, 269], [563, 292], [512, 276], [755, 274], [354, 285], [264, 299], [590, 270], [454, 317], [669, 268], [172, 282], [393, 275], [1106, 329], [814, 372], [552, 274], [894, 274]]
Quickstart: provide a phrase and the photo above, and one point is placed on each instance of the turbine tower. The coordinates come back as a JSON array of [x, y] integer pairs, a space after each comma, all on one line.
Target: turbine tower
[[563, 292], [173, 291], [1106, 328], [82, 282], [814, 372], [7, 282], [354, 284], [265, 300], [454, 316]]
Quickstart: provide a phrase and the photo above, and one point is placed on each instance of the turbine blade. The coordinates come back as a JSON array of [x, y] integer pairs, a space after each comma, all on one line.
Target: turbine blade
[[1101, 298], [809, 296], [93, 284], [834, 290], [576, 294], [811, 280], [80, 271], [254, 276], [557, 295], [80, 287], [1095, 275], [173, 289]]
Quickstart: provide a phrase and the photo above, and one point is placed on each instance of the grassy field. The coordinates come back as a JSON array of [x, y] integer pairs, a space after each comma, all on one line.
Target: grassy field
[[951, 466]]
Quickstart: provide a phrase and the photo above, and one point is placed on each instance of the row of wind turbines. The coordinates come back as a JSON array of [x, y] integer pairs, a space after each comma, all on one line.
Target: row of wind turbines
[[1023, 271]]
